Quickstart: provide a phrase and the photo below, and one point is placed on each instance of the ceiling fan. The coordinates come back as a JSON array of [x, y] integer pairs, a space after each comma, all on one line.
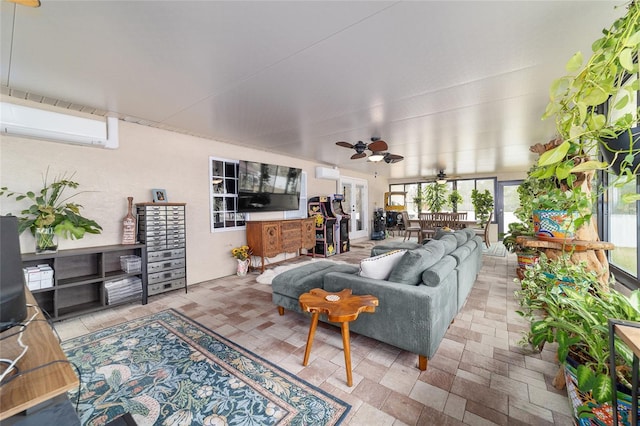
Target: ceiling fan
[[441, 177], [377, 148]]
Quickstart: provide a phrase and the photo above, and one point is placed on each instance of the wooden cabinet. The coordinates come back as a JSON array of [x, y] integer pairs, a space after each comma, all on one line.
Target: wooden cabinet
[[269, 238], [82, 278], [161, 226]]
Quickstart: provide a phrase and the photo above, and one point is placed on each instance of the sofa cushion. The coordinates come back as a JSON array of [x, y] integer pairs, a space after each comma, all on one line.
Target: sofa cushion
[[440, 232], [439, 272], [470, 233], [461, 237], [450, 242], [410, 267], [461, 253], [379, 267]]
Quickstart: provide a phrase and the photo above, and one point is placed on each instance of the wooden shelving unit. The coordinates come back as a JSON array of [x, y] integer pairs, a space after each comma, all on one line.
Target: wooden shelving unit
[[79, 278]]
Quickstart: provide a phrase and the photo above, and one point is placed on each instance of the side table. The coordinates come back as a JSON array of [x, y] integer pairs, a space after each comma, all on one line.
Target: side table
[[342, 307], [629, 332]]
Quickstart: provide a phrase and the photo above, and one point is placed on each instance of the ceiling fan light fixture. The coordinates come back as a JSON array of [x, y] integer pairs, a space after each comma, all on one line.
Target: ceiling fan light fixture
[[441, 181], [374, 158]]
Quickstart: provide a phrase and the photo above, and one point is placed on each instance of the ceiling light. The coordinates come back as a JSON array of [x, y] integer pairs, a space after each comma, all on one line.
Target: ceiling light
[[374, 158], [441, 181]]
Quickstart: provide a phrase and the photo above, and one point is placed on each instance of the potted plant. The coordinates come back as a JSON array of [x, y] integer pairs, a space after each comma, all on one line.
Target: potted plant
[[242, 255], [577, 101], [527, 256], [482, 205], [51, 213], [566, 304], [435, 196], [454, 199]]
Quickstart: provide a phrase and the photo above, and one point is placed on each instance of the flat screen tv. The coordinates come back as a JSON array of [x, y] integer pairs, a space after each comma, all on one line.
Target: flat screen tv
[[13, 305], [267, 187]]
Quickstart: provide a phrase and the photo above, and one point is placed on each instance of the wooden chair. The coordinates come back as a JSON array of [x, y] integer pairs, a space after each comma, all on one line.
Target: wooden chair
[[484, 232], [408, 228], [428, 224]]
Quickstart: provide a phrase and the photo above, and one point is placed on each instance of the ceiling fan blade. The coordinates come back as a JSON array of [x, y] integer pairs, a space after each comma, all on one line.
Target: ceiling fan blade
[[393, 158], [358, 155], [30, 3], [344, 144], [377, 146]]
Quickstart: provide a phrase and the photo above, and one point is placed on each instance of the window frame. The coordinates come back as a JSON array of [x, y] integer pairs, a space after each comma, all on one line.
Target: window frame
[[223, 180]]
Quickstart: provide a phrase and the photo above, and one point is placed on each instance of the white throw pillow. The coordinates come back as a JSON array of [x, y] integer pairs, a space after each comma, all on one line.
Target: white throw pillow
[[380, 267]]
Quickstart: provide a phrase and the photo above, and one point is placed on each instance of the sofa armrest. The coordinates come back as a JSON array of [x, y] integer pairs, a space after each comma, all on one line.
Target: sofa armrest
[[413, 318]]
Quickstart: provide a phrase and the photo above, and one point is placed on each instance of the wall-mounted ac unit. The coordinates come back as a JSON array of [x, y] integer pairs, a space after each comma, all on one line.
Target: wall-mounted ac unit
[[27, 122], [327, 173]]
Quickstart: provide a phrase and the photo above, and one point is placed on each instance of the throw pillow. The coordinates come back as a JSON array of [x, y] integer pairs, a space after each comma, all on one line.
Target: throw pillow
[[410, 267], [379, 267], [461, 237]]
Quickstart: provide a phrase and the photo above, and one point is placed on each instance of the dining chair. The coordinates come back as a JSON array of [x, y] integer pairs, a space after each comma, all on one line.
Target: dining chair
[[408, 228]]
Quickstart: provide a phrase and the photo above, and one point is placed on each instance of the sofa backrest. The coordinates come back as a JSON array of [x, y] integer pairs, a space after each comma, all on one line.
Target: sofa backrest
[[414, 262]]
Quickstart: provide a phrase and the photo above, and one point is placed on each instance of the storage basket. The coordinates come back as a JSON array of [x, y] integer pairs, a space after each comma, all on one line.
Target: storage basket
[[130, 264]]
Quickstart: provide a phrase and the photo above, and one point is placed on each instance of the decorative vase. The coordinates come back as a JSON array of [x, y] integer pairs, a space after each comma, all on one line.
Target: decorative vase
[[129, 225], [526, 260], [46, 241], [586, 411], [614, 150], [243, 267], [554, 225]]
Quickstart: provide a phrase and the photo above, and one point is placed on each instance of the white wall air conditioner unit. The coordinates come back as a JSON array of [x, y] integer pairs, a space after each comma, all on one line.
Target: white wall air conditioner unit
[[327, 173], [27, 122]]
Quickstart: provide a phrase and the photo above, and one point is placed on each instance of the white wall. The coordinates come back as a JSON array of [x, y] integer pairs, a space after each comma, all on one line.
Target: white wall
[[147, 158]]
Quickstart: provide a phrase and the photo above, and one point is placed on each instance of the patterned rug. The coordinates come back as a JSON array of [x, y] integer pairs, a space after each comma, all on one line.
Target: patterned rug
[[497, 249], [168, 369]]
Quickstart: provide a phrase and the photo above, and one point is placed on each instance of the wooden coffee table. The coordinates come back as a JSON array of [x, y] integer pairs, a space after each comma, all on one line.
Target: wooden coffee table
[[342, 307]]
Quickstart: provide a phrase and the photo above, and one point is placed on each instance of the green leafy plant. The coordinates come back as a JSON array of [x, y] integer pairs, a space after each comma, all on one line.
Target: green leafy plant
[[454, 199], [576, 99], [517, 229], [482, 205], [51, 208], [435, 196], [565, 303]]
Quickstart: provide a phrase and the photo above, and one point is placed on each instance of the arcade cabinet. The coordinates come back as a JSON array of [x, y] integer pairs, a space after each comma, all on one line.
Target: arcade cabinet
[[378, 231], [320, 208], [342, 223], [394, 204]]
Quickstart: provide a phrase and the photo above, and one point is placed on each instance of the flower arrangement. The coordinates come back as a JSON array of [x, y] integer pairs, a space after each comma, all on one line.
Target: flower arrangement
[[241, 253]]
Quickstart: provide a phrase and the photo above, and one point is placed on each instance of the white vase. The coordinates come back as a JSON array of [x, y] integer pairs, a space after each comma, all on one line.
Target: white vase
[[243, 267]]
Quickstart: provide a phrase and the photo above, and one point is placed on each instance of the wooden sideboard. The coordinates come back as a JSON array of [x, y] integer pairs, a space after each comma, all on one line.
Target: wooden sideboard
[[269, 238]]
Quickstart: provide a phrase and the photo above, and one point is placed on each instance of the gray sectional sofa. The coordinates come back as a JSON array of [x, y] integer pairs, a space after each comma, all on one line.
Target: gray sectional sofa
[[425, 290]]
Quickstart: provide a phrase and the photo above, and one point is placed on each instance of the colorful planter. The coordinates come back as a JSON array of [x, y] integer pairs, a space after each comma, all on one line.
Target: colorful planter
[[587, 412], [526, 260], [554, 225]]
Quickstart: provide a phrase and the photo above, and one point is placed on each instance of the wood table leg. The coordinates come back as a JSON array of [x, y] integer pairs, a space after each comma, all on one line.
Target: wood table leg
[[347, 351], [312, 332]]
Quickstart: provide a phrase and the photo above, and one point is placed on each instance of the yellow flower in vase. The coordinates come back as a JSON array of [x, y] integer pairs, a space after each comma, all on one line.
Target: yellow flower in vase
[[241, 253]]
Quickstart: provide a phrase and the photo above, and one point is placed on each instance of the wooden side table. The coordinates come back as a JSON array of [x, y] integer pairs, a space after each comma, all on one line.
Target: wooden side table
[[342, 307]]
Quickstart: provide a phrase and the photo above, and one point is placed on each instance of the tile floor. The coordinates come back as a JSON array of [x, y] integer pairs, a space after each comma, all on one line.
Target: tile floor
[[479, 376]]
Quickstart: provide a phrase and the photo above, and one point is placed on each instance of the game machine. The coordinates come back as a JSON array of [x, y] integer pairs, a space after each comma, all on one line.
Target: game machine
[[320, 208], [394, 204], [378, 231], [342, 223]]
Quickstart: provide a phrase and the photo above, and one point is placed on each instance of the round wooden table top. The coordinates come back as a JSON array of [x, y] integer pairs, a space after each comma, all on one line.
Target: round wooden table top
[[339, 307]]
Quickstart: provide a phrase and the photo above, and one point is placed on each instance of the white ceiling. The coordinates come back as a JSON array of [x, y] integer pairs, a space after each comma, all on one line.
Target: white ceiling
[[448, 84]]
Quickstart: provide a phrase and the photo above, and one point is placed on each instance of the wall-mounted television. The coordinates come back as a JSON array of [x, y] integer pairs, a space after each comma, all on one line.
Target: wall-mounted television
[[267, 187]]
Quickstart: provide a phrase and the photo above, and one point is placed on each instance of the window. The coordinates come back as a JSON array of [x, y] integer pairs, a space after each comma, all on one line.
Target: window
[[621, 219], [223, 178], [464, 187], [302, 208]]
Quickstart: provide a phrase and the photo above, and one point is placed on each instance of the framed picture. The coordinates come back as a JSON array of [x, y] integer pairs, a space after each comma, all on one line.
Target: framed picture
[[159, 195]]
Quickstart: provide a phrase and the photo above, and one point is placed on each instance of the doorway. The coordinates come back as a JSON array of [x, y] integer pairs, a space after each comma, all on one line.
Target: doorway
[[507, 201], [356, 201]]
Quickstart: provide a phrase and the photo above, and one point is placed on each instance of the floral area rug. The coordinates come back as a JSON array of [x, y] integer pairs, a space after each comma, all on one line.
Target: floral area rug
[[166, 369]]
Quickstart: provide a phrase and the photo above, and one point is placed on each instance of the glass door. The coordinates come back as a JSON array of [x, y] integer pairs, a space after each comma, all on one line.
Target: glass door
[[355, 200], [507, 201]]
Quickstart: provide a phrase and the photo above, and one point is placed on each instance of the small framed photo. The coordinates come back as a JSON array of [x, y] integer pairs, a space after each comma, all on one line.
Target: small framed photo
[[159, 195]]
